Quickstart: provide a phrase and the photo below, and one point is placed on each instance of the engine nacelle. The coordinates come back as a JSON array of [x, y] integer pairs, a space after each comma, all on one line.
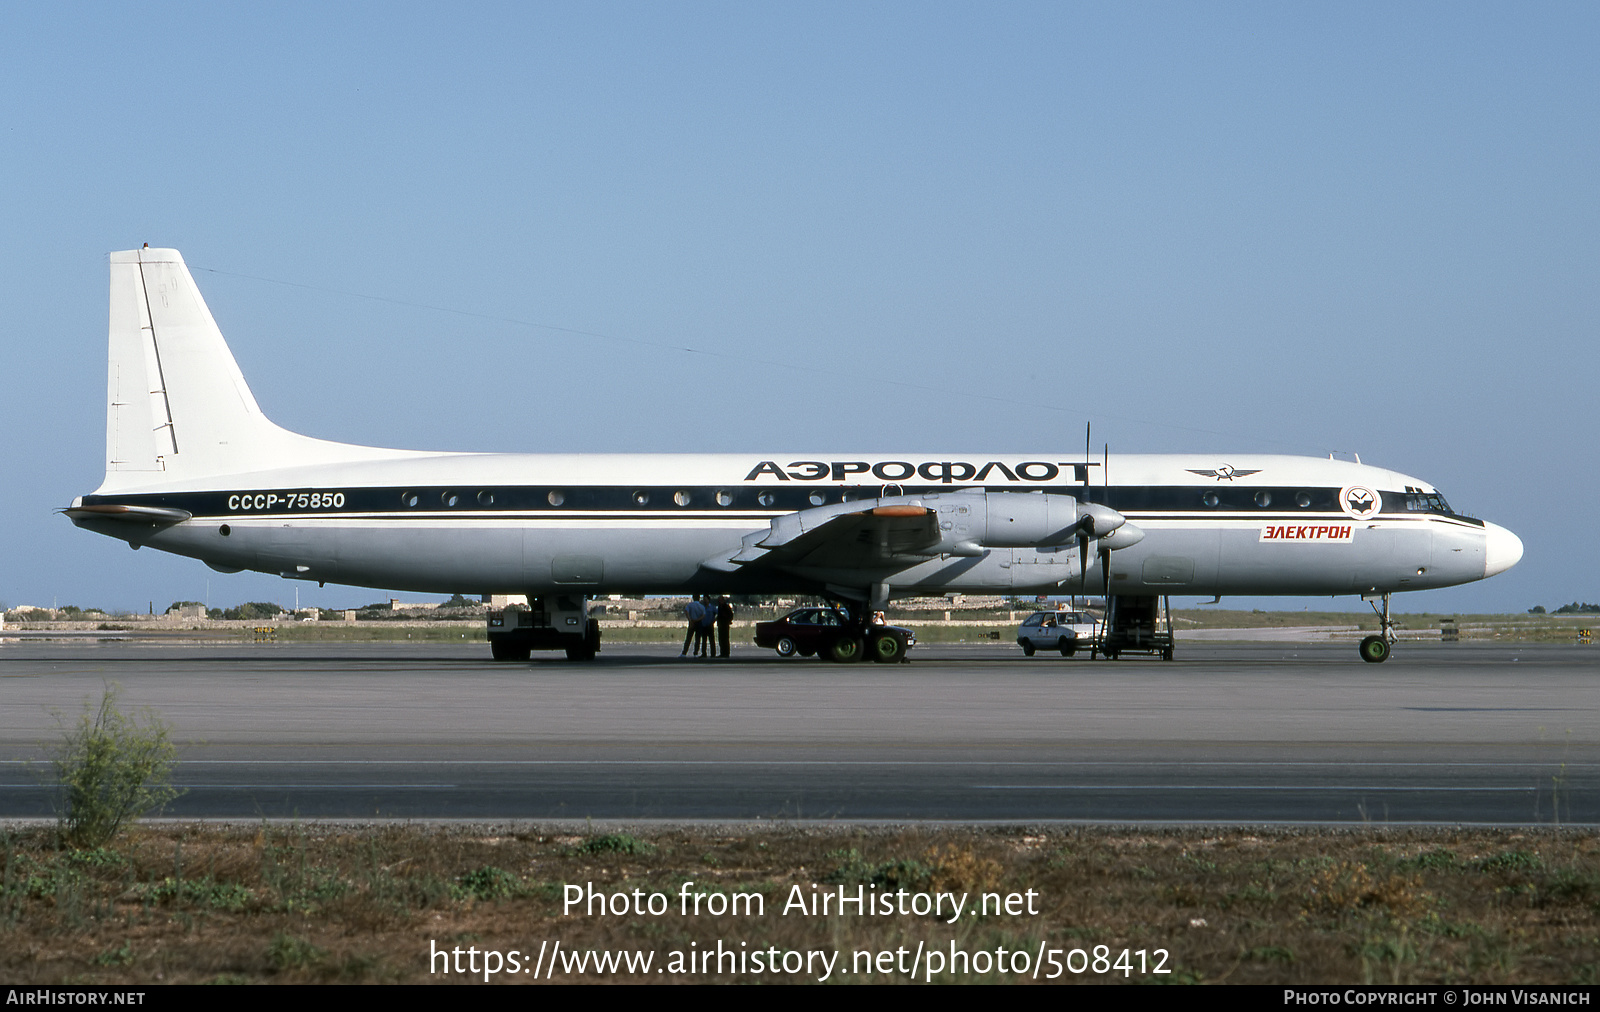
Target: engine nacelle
[[972, 521], [1028, 519]]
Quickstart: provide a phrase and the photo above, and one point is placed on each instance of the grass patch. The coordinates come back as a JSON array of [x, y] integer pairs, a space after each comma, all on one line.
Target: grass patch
[[243, 904], [614, 843], [488, 883], [290, 952]]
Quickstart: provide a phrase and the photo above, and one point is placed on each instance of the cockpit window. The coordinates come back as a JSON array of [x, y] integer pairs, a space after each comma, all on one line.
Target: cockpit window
[[1427, 502]]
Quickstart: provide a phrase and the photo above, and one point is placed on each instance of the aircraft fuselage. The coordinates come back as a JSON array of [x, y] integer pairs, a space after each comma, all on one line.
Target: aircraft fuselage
[[536, 523]]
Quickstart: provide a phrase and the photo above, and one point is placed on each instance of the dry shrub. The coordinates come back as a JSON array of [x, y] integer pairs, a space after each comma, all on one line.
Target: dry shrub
[[957, 869], [111, 768], [1351, 885]]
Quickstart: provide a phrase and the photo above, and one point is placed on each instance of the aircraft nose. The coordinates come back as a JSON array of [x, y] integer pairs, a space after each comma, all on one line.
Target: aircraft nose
[[1502, 549]]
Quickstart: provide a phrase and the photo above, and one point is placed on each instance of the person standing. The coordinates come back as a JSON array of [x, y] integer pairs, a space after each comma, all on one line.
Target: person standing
[[724, 622], [694, 612], [708, 619]]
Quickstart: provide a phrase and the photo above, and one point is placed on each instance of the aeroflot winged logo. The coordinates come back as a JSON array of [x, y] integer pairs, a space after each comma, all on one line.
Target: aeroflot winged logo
[[1227, 472]]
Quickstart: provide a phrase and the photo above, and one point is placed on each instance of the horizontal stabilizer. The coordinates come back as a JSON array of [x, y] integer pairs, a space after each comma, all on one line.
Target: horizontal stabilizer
[[129, 514]]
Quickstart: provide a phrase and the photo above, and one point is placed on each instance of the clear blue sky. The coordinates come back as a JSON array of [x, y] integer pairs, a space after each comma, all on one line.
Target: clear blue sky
[[1207, 227]]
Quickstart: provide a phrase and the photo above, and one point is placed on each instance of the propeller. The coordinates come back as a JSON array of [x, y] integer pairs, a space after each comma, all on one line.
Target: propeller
[[1085, 526], [1105, 551], [1094, 521], [1083, 536], [1098, 520]]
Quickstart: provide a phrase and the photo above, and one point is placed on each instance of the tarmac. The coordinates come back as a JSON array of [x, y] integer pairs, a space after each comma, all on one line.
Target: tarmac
[[1264, 733]]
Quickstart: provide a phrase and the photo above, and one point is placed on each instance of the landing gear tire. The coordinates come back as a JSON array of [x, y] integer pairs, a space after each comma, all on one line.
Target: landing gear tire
[[886, 648], [785, 647], [509, 651], [845, 650], [1374, 649], [590, 646], [1027, 649], [1067, 647]]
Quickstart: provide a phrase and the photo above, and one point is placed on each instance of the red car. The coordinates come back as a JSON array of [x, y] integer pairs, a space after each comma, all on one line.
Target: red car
[[827, 631]]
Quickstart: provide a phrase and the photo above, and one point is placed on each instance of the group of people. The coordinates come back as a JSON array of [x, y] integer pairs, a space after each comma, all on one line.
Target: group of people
[[703, 614]]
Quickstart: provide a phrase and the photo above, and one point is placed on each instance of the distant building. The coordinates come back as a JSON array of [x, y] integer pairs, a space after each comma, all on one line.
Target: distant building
[[395, 604]]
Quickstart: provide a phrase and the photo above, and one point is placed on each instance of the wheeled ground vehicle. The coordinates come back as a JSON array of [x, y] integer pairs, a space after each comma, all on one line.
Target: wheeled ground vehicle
[[1136, 625], [830, 633], [1066, 631]]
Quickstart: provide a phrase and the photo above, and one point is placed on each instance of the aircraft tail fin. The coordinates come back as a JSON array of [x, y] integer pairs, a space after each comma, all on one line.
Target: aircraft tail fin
[[177, 405]]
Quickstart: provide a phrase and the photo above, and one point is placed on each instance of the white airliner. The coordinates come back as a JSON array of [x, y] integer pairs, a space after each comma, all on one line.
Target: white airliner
[[193, 467]]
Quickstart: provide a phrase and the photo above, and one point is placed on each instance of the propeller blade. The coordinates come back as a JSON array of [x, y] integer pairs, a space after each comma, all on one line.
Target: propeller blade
[[1083, 535], [1105, 567], [1086, 426]]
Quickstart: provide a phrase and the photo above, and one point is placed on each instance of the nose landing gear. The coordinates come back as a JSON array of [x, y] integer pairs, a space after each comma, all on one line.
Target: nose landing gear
[[1375, 649]]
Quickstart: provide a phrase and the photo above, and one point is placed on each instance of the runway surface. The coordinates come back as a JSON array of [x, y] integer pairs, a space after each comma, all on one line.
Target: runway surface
[[1237, 733]]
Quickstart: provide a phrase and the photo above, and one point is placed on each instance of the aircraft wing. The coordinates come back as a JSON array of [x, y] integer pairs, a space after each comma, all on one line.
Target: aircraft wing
[[880, 537], [894, 533]]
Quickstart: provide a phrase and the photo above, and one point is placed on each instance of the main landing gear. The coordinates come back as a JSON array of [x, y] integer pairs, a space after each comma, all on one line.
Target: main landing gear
[[859, 641], [556, 622], [1375, 649], [866, 637]]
